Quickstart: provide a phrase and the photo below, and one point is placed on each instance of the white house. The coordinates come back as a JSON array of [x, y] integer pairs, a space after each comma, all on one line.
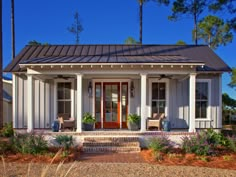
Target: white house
[[112, 81]]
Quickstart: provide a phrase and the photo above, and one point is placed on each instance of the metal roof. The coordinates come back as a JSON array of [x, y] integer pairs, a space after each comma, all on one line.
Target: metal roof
[[47, 54]]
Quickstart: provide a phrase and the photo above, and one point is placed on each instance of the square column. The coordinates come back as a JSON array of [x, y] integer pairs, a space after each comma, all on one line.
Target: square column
[[143, 101], [79, 103], [29, 103], [219, 118], [192, 100]]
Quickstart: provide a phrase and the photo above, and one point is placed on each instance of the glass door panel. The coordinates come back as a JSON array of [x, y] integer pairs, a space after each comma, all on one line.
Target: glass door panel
[[124, 104], [111, 105], [98, 105]]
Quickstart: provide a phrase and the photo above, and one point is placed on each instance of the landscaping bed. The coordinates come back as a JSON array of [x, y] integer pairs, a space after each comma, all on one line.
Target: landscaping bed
[[50, 156], [224, 161]]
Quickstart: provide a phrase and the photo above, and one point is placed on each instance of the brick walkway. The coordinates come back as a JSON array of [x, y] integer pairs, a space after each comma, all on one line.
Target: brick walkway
[[112, 158]]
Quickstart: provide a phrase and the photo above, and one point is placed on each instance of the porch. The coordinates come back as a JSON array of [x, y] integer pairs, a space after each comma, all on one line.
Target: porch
[[109, 99], [110, 92]]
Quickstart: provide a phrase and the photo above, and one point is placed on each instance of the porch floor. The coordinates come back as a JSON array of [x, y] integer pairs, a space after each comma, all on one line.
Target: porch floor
[[110, 132]]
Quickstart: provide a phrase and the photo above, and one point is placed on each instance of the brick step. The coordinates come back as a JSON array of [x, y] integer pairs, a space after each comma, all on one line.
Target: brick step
[[111, 139], [111, 144], [112, 149]]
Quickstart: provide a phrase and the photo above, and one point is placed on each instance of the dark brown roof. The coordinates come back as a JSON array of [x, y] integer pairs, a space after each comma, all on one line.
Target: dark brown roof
[[44, 54]]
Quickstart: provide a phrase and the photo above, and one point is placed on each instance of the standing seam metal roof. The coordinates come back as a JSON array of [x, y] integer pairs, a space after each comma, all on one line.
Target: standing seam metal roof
[[118, 54]]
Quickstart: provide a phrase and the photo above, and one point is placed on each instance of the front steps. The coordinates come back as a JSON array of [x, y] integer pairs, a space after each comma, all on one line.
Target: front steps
[[111, 145]]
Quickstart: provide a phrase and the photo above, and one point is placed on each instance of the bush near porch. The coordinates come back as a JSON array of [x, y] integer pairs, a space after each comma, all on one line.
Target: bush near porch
[[204, 147]]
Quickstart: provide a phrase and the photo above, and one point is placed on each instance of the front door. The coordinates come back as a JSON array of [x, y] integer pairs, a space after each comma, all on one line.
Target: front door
[[111, 105]]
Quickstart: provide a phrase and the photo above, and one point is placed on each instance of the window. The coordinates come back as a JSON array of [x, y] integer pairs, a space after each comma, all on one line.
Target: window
[[202, 99], [98, 102], [64, 97], [158, 97]]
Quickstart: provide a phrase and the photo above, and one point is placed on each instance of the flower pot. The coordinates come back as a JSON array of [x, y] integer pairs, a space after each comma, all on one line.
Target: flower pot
[[88, 127], [133, 126]]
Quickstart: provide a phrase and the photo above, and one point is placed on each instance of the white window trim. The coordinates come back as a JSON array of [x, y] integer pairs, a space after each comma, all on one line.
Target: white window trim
[[167, 107], [208, 118], [110, 80], [72, 81]]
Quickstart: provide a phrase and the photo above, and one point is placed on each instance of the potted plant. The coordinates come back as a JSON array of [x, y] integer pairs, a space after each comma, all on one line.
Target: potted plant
[[88, 121], [134, 122]]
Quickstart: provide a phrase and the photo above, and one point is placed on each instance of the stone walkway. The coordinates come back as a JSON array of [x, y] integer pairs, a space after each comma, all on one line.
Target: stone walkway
[[112, 158]]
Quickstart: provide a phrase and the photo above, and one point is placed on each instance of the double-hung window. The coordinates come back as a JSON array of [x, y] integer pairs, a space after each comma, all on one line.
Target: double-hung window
[[158, 97], [202, 99], [64, 97]]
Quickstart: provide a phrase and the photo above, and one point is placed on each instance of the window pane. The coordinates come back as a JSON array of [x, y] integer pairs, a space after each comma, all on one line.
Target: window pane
[[204, 91], [98, 102], [67, 90], [201, 99], [98, 91], [198, 110], [60, 106], [203, 109], [154, 90], [60, 93], [154, 107], [67, 106], [198, 91], [161, 107], [124, 100], [162, 91]]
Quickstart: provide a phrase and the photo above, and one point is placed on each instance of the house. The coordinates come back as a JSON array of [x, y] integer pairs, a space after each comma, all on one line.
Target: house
[[7, 100], [112, 81]]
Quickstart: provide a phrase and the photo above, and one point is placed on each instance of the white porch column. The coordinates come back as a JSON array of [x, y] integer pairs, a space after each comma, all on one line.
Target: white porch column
[[14, 100], [192, 90], [143, 101], [29, 103], [79, 103], [219, 121]]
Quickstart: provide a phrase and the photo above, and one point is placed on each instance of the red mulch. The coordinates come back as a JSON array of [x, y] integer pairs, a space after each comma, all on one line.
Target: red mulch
[[224, 161], [44, 158]]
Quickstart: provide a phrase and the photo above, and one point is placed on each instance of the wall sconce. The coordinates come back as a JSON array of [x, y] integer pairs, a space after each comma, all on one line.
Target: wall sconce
[[90, 89], [132, 89]]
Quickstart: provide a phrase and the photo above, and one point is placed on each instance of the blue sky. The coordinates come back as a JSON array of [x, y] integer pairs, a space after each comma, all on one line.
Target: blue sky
[[104, 22]]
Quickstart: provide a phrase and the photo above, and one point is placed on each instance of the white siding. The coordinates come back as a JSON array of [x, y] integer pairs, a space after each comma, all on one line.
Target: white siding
[[178, 102]]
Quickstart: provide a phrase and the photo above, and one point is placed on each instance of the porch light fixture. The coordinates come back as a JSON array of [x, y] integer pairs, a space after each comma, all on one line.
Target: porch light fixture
[[132, 89], [90, 89]]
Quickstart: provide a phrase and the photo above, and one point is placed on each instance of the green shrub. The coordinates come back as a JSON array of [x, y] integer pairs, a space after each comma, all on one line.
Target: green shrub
[[216, 139], [4, 147], [65, 141], [88, 118], [162, 144], [7, 130], [134, 118], [196, 144], [29, 144], [231, 143]]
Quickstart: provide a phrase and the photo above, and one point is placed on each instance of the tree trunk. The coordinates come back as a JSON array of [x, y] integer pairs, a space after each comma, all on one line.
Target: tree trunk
[[140, 22], [1, 85], [13, 29], [195, 22]]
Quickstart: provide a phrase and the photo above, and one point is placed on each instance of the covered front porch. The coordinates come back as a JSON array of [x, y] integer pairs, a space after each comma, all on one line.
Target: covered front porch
[[110, 92]]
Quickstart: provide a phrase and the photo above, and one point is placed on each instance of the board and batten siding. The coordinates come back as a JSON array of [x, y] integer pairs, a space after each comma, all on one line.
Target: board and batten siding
[[178, 113], [42, 103]]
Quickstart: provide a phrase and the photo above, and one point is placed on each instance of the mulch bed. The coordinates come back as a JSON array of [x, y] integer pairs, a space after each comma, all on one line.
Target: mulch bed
[[47, 157], [225, 160]]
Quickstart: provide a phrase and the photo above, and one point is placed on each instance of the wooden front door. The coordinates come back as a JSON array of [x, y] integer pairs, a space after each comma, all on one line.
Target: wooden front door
[[111, 105]]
